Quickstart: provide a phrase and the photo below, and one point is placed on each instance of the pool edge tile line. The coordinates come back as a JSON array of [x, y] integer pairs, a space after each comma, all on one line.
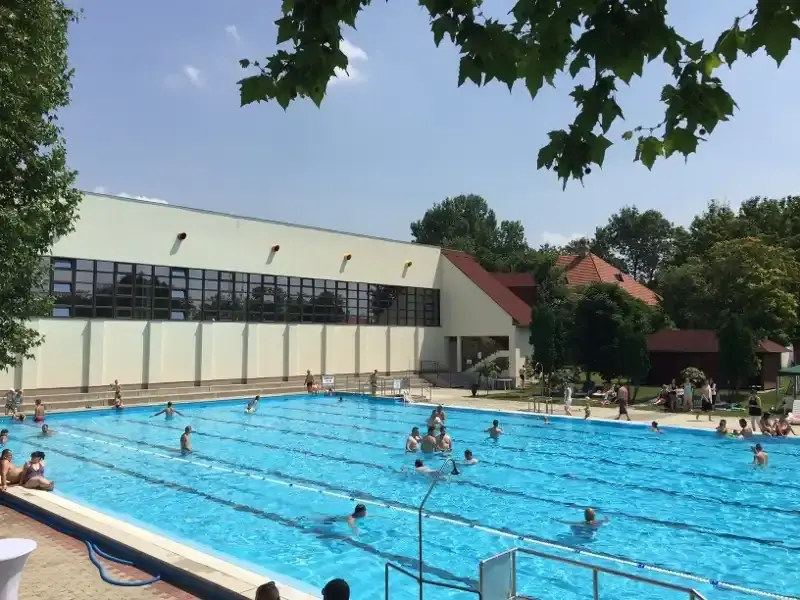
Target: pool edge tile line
[[203, 571]]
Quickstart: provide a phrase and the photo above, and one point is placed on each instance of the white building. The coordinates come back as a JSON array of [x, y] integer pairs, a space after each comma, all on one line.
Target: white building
[[154, 294]]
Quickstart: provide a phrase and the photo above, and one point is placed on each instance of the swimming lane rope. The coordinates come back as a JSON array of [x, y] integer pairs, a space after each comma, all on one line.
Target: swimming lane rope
[[723, 585]]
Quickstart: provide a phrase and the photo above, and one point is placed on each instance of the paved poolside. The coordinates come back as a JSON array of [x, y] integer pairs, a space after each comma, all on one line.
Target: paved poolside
[[60, 569]]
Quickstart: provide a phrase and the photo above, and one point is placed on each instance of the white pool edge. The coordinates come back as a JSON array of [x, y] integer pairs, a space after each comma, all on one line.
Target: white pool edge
[[193, 564]]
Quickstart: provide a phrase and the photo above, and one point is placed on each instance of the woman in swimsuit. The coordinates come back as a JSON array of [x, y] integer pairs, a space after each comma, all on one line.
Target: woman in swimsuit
[[33, 473], [38, 412], [765, 425], [754, 409]]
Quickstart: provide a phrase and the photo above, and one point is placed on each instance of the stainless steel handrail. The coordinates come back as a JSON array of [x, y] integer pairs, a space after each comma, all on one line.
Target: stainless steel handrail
[[419, 518], [596, 570], [450, 586]]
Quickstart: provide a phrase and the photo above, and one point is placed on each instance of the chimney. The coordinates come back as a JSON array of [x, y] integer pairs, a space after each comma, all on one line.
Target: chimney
[[584, 249]]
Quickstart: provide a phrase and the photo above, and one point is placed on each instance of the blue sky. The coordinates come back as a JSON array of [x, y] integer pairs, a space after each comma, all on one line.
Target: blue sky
[[155, 113]]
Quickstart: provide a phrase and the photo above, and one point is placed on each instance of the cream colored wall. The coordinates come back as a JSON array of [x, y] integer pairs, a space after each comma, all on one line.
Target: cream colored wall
[[81, 353], [146, 233], [466, 310]]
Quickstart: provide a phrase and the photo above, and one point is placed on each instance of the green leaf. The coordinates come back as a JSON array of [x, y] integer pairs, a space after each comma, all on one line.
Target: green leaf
[[468, 69], [627, 136], [286, 29], [729, 44], [598, 149], [694, 51], [610, 113], [443, 25], [778, 37], [710, 62], [287, 6], [648, 150], [256, 88], [549, 153], [534, 77], [680, 140], [580, 62], [244, 63]]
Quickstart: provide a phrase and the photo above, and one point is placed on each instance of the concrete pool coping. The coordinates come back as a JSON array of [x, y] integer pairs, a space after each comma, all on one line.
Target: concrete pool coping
[[179, 564]]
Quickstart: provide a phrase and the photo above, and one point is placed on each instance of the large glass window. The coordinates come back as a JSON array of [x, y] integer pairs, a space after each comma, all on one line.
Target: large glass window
[[109, 290]]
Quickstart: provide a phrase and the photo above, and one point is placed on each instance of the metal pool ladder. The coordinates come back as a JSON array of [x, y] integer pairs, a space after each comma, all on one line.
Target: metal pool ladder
[[498, 574]]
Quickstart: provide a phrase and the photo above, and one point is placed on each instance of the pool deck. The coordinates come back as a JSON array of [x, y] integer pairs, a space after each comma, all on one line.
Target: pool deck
[[78, 579], [463, 399]]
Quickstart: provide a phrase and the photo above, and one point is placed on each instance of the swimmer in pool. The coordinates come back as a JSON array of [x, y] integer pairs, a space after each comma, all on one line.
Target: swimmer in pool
[[168, 412], [495, 430], [429, 441], [3, 437], [654, 427], [590, 521], [412, 441], [444, 442], [47, 431], [18, 418], [469, 459], [186, 440], [441, 414], [252, 406], [434, 420], [760, 458], [745, 431], [420, 467], [359, 512]]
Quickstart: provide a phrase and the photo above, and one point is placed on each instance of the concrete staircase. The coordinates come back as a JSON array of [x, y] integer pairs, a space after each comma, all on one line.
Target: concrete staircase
[[58, 400]]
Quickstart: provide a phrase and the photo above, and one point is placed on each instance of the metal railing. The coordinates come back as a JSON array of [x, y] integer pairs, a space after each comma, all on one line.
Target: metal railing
[[596, 570], [538, 402], [420, 578]]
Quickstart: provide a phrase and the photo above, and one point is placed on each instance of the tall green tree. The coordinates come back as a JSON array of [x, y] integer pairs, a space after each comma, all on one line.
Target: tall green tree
[[603, 43], [738, 360], [551, 318], [643, 241], [609, 332], [38, 202], [467, 223]]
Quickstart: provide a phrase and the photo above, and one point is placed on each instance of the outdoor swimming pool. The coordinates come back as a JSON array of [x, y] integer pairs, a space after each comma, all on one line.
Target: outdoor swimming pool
[[687, 501]]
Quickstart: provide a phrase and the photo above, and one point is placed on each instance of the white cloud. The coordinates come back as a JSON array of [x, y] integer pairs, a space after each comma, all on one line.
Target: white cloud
[[189, 74], [233, 32], [101, 190], [559, 239], [355, 55]]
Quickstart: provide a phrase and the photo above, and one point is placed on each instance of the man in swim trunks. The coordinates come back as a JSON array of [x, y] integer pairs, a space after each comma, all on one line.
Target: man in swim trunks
[[429, 441], [9, 474], [622, 400], [468, 458], [38, 411], [168, 412], [444, 443], [441, 414], [309, 382], [412, 441], [186, 440], [760, 457], [495, 430]]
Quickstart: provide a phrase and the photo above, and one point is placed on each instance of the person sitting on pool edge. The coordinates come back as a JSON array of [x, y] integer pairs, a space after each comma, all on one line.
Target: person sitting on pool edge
[[9, 474], [429, 441], [252, 406], [746, 431], [168, 412], [495, 430], [33, 474], [412, 441], [186, 440]]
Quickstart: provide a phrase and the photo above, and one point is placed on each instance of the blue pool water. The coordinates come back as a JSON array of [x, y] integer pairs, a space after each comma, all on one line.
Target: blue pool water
[[687, 501]]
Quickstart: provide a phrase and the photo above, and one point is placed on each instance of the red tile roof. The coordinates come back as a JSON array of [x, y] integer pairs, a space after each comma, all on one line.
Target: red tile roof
[[515, 279], [697, 340], [583, 270], [516, 308]]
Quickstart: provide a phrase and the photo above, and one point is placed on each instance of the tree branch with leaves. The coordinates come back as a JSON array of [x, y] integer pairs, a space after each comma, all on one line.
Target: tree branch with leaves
[[607, 41]]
